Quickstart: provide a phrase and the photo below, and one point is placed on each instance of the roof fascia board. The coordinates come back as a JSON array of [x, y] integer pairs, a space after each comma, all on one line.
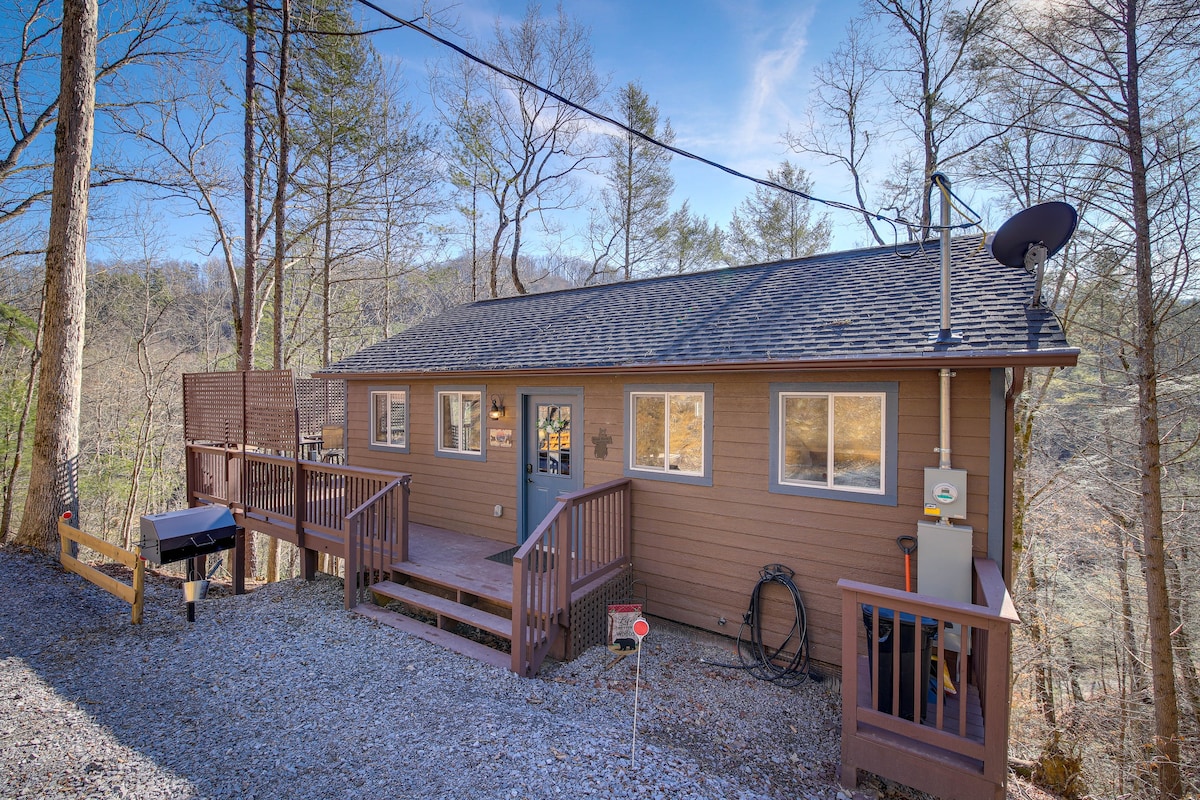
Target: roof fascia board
[[1045, 358]]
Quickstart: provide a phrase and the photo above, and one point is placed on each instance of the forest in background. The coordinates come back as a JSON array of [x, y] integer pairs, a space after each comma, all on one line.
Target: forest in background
[[339, 213]]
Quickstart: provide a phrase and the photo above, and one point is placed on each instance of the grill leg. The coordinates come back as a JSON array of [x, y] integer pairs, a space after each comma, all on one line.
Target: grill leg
[[191, 576]]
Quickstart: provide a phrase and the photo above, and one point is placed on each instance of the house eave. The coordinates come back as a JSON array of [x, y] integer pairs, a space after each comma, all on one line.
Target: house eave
[[1061, 357]]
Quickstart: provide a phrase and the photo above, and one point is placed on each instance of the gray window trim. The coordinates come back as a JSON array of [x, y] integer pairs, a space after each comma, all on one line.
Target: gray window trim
[[438, 391], [891, 391], [380, 446], [706, 389]]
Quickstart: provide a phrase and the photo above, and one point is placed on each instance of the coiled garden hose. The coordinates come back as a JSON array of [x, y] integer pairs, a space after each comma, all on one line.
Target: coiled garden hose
[[758, 658]]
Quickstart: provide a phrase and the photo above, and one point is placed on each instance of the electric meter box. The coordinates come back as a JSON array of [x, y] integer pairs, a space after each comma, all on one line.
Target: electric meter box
[[946, 493]]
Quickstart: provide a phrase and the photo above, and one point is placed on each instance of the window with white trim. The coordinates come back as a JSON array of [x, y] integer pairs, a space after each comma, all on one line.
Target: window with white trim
[[389, 418], [670, 433], [460, 422], [837, 441]]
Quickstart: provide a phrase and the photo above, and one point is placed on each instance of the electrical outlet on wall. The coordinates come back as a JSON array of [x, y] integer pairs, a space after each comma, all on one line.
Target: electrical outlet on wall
[[498, 511]]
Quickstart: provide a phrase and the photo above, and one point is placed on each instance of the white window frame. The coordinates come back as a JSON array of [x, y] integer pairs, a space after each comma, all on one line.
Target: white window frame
[[459, 392], [372, 442], [704, 476], [887, 393]]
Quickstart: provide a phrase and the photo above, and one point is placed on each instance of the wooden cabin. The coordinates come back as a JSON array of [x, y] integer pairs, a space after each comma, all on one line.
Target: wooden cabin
[[793, 413]]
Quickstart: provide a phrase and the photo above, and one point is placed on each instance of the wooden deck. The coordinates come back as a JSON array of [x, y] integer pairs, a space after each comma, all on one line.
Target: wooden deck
[[450, 558], [361, 516]]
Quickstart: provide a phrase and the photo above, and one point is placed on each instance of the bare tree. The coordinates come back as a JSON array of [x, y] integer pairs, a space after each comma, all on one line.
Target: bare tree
[[1126, 70], [56, 431], [905, 77], [630, 233], [131, 33], [527, 146]]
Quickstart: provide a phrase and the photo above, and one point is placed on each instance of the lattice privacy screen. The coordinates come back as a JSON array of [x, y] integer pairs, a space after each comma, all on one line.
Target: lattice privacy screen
[[257, 408], [320, 402]]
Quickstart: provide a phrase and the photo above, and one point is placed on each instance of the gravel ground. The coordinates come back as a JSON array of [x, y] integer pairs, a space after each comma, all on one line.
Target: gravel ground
[[282, 694]]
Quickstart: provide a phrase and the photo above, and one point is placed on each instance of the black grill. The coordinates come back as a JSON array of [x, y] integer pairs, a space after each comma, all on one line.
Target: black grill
[[176, 535]]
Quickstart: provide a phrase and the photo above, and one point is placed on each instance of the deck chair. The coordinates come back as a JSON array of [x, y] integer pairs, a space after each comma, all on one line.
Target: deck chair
[[333, 448]]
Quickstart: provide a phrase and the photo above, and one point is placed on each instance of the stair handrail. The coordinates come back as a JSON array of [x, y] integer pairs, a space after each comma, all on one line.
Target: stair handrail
[[544, 567], [388, 537], [541, 591]]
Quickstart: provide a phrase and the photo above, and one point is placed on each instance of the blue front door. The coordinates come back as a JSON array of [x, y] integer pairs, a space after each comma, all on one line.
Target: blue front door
[[551, 466]]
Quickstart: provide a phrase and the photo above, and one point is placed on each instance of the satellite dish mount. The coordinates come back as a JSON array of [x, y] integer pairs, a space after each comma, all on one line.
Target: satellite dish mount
[[1030, 237]]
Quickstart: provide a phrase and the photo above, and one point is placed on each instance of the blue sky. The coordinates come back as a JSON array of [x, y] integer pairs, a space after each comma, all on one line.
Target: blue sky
[[730, 76]]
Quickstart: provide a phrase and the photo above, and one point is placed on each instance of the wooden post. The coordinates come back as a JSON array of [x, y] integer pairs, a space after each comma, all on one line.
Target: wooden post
[[238, 569], [139, 586], [402, 534], [848, 775], [351, 567], [308, 558]]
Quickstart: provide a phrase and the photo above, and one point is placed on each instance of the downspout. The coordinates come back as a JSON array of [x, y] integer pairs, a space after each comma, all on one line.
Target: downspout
[[1010, 429]]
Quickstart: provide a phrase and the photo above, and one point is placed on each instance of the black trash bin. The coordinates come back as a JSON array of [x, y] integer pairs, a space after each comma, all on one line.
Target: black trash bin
[[887, 640]]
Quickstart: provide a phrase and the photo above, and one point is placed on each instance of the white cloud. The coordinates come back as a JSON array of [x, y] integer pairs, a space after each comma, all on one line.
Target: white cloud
[[774, 93]]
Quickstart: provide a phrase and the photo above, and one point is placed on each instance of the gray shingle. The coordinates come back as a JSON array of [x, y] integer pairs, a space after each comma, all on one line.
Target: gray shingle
[[863, 304]]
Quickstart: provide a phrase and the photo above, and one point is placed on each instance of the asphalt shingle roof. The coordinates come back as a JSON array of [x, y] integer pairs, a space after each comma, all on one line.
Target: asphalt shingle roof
[[878, 303]]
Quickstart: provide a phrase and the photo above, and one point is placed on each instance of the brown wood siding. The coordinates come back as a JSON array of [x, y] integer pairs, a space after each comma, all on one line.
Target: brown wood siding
[[698, 549]]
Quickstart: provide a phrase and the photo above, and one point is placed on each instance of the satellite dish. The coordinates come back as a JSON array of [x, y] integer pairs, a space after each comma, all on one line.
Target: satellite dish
[[1031, 236]]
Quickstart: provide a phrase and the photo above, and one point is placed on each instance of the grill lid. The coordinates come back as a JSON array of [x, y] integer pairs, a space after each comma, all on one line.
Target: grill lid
[[176, 535]]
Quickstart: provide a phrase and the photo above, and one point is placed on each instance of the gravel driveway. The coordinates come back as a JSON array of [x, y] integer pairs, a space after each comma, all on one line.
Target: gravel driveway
[[282, 694]]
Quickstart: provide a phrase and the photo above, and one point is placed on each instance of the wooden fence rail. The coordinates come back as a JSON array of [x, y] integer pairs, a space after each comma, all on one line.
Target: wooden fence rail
[[135, 595]]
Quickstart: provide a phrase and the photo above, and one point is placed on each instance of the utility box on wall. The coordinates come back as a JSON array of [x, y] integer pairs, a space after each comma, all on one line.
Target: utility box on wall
[[946, 493], [944, 566]]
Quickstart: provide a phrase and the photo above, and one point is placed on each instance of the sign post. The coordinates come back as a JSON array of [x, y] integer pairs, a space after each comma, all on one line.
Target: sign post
[[640, 628]]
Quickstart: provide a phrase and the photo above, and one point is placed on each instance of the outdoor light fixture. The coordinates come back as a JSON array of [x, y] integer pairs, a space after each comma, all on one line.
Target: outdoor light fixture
[[497, 409]]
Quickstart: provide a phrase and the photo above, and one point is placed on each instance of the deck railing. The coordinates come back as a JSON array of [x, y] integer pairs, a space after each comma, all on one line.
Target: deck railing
[[309, 503], [585, 538], [965, 738], [376, 538]]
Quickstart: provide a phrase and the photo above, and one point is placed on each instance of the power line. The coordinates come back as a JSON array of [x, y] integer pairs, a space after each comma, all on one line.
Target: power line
[[512, 76]]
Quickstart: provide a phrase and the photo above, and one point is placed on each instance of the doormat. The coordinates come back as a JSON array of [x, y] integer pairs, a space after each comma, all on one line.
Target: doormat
[[505, 556]]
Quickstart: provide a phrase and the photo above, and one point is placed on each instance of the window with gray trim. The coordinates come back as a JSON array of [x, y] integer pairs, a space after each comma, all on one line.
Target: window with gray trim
[[835, 440], [389, 418], [669, 432], [460, 422]]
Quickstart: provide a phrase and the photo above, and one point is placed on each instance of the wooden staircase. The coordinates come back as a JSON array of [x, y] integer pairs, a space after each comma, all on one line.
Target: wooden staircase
[[453, 600]]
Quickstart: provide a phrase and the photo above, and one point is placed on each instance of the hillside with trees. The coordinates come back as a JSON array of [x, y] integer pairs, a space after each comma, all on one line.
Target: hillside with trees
[[288, 214]]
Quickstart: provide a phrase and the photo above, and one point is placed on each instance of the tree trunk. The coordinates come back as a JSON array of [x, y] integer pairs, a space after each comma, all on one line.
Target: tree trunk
[[281, 184], [250, 242], [1162, 670], [281, 181], [55, 464], [327, 260], [10, 488]]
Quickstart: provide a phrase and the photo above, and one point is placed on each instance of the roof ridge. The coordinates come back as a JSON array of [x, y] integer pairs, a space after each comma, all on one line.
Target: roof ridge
[[740, 268]]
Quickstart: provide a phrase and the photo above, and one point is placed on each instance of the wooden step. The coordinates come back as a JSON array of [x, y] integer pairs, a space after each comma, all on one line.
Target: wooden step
[[451, 641], [487, 581], [491, 623]]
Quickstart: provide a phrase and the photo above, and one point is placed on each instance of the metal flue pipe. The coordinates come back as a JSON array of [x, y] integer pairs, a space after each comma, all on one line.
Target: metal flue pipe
[[944, 335]]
